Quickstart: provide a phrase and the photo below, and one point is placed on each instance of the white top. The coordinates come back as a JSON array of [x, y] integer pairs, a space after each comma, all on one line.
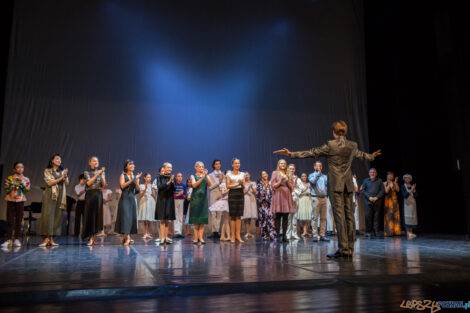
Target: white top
[[106, 193], [148, 192], [79, 188], [235, 178]]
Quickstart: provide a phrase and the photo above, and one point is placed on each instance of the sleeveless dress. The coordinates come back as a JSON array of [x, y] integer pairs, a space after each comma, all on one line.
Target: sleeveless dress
[[304, 211], [126, 220], [147, 205], [198, 213], [251, 209]]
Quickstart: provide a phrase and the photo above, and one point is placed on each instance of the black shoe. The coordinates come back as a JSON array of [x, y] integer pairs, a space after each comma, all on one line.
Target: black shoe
[[284, 239], [338, 255], [217, 235], [323, 238], [213, 235]]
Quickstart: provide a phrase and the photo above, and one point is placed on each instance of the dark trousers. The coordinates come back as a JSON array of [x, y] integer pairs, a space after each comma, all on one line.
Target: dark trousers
[[79, 209], [372, 216], [277, 223], [15, 212], [343, 213]]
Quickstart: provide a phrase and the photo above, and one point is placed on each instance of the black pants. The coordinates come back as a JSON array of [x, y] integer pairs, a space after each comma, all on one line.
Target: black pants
[[79, 209], [15, 211], [285, 221], [372, 216]]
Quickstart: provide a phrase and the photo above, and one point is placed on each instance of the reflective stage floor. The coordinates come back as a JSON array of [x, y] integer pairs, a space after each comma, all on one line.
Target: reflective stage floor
[[256, 276]]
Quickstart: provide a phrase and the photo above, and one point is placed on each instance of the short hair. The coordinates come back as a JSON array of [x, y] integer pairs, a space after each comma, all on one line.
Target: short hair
[[81, 176], [127, 163], [340, 128], [372, 169], [167, 164], [292, 164], [16, 163], [215, 161], [93, 157], [317, 161], [198, 162]]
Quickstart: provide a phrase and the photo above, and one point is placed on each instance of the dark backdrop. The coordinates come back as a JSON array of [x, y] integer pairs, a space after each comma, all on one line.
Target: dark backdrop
[[418, 69], [180, 81]]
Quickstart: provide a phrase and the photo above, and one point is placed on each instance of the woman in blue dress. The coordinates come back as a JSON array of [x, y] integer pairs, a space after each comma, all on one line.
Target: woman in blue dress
[[126, 220]]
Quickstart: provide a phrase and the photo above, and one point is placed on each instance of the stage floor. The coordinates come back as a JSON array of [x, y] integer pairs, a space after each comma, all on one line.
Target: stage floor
[[256, 276]]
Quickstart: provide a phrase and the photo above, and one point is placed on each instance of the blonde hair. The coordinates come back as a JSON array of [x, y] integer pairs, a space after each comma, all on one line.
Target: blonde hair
[[278, 162]]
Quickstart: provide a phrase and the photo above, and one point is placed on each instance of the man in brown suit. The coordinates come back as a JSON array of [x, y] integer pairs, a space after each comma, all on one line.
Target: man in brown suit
[[340, 153]]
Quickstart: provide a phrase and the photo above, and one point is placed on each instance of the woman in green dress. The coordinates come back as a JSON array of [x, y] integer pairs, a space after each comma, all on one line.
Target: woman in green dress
[[53, 200], [198, 214]]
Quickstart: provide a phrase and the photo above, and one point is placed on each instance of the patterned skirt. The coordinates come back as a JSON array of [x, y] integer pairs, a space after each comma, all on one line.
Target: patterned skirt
[[236, 202]]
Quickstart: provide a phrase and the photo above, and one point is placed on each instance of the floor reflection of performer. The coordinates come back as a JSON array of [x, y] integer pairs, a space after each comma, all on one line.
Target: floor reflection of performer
[[340, 153]]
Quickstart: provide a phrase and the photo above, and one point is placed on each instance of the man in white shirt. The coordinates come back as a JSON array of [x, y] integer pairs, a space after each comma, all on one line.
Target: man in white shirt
[[216, 177], [80, 206]]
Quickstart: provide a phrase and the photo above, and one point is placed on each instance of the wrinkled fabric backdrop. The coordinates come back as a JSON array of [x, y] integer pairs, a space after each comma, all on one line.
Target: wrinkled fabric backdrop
[[180, 81]]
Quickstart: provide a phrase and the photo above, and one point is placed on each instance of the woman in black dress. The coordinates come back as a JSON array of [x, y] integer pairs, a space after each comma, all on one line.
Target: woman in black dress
[[93, 212], [126, 220], [165, 211]]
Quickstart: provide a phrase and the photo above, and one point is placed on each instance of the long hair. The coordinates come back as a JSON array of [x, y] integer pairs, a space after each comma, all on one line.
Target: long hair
[[49, 165], [278, 162]]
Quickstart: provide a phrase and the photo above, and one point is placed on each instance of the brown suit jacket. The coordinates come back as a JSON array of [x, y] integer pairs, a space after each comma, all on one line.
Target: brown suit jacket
[[339, 153]]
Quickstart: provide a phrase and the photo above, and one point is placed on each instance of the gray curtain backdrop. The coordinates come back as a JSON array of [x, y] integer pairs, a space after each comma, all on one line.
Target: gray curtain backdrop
[[180, 81]]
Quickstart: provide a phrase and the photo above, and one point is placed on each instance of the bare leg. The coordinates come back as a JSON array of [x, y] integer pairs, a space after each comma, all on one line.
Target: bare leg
[[162, 231], [227, 223], [247, 228], [196, 233], [238, 225], [232, 228], [201, 233]]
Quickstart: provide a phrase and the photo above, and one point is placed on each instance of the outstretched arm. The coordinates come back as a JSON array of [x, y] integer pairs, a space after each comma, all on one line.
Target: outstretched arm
[[367, 156], [312, 153]]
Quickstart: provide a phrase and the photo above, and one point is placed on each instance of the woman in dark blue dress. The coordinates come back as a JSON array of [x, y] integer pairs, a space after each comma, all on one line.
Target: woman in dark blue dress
[[126, 220]]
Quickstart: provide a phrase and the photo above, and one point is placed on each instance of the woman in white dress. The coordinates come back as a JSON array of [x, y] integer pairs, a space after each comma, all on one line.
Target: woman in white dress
[[221, 205], [409, 198], [147, 204], [304, 211], [107, 210], [250, 211]]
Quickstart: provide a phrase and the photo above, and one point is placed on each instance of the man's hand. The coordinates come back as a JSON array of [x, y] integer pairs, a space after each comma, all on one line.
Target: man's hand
[[283, 151], [377, 153]]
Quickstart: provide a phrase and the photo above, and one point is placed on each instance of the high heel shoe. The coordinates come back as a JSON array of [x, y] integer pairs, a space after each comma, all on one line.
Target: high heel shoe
[[44, 244], [240, 241]]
